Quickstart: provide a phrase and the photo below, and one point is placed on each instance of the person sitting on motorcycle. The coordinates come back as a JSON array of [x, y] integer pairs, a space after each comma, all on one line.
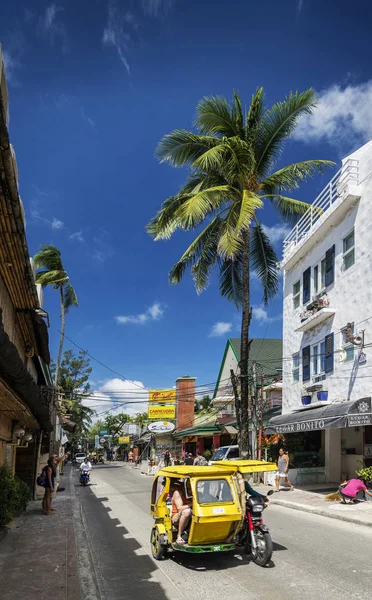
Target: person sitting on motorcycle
[[181, 508], [252, 492], [86, 466]]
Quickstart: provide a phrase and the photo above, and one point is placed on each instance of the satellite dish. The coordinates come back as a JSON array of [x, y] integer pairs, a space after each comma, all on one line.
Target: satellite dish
[[342, 356]]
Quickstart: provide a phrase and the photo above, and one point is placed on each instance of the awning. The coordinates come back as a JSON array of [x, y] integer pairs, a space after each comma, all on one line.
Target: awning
[[230, 429], [355, 413]]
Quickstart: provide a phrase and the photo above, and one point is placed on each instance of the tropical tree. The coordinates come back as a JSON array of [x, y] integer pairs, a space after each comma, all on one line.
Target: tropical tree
[[203, 405], [53, 273], [231, 158]]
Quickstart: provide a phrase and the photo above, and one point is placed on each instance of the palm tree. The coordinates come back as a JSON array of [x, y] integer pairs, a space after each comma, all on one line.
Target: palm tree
[[231, 159], [52, 273]]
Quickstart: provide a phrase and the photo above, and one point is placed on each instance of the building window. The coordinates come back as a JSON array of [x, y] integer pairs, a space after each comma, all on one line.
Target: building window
[[347, 345], [296, 294], [348, 257], [319, 272], [296, 367], [318, 361]]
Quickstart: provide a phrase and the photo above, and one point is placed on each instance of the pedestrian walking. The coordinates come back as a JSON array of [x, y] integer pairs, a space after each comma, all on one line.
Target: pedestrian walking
[[167, 458], [283, 468], [50, 474]]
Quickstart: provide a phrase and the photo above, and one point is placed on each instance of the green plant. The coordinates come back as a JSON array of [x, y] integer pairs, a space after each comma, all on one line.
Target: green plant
[[14, 495], [207, 454], [366, 474], [231, 158]]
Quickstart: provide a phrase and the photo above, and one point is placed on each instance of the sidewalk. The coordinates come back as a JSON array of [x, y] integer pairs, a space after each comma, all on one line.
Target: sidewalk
[[312, 502], [38, 557]]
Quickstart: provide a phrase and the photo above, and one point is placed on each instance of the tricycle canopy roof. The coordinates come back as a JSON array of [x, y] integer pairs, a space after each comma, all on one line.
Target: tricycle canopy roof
[[222, 467]]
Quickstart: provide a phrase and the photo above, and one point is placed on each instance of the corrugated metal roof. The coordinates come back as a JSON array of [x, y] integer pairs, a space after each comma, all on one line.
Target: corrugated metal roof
[[266, 351]]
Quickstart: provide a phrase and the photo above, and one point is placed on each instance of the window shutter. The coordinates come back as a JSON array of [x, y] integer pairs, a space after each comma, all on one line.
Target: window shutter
[[306, 363], [306, 277], [329, 352], [330, 265]]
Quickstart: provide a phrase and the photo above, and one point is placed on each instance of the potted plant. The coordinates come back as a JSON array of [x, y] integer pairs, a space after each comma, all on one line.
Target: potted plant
[[322, 395], [305, 397], [366, 474], [304, 315]]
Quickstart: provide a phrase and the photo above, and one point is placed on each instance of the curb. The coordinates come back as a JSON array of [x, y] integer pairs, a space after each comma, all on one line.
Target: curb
[[318, 511]]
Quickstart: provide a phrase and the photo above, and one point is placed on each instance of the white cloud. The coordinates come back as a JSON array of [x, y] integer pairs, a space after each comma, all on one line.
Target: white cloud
[[153, 313], [277, 232], [57, 223], [344, 114], [11, 66], [51, 25], [113, 395], [77, 236], [116, 33], [299, 5], [261, 315], [220, 328], [154, 8]]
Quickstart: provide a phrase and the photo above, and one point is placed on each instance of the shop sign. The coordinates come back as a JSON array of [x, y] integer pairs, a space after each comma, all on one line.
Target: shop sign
[[124, 440], [162, 412], [161, 427], [359, 420], [189, 439], [167, 396], [368, 451], [103, 432]]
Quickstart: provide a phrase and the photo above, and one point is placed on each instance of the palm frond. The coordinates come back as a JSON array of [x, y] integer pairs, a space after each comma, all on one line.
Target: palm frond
[[255, 112], [182, 147], [278, 123], [249, 204], [264, 261], [48, 257], [230, 242], [192, 212], [165, 222], [212, 159], [237, 113], [231, 286], [289, 208], [51, 277], [208, 237], [69, 297], [215, 117], [290, 177]]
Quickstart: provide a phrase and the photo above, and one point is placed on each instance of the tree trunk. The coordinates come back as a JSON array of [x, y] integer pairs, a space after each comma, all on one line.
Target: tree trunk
[[62, 338], [244, 349]]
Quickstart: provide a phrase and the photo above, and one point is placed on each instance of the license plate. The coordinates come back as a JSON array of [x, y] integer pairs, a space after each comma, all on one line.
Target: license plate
[[219, 510]]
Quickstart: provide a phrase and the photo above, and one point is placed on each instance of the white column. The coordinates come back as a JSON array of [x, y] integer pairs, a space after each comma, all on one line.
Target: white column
[[333, 454]]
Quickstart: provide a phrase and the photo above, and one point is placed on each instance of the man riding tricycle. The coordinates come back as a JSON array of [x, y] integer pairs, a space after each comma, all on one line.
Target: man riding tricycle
[[206, 509]]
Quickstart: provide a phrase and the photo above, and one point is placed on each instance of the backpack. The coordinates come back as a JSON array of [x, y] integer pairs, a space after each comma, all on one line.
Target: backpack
[[41, 480]]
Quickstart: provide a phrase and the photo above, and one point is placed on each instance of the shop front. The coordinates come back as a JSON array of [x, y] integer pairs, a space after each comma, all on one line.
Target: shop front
[[343, 431]]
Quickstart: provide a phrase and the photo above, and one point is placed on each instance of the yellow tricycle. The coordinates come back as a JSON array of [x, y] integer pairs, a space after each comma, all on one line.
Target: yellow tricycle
[[201, 509]]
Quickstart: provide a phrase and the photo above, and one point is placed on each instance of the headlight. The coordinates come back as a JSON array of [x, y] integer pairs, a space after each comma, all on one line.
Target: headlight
[[257, 508]]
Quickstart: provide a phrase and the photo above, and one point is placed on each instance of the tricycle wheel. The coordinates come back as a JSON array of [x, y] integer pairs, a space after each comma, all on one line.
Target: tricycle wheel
[[158, 548], [264, 550]]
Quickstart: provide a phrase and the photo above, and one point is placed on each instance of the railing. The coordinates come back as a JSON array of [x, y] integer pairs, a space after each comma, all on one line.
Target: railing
[[347, 175]]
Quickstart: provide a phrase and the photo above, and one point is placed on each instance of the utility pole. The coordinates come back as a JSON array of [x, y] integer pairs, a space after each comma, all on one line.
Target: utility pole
[[236, 397], [259, 456], [254, 411]]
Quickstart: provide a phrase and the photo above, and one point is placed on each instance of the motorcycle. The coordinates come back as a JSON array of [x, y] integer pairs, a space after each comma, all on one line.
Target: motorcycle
[[255, 535], [84, 478]]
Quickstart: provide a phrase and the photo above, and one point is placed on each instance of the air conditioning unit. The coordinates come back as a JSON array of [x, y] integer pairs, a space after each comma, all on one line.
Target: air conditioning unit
[[342, 355]]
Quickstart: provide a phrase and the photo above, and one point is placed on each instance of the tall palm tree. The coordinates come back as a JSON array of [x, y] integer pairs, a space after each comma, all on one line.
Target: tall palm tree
[[231, 159], [53, 273]]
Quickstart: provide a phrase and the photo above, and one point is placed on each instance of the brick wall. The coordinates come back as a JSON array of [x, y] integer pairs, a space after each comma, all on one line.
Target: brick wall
[[185, 387]]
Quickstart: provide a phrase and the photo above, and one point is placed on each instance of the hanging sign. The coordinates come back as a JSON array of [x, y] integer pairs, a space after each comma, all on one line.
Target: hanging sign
[[161, 427], [158, 396], [162, 412], [124, 440]]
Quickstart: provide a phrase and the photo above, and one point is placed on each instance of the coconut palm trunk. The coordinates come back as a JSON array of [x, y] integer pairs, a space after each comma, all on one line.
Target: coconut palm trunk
[[62, 338], [244, 348]]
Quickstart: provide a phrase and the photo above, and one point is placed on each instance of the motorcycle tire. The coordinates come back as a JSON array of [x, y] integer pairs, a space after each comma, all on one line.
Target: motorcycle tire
[[263, 552]]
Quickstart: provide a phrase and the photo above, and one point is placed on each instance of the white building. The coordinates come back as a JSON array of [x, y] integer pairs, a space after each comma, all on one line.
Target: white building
[[327, 321]]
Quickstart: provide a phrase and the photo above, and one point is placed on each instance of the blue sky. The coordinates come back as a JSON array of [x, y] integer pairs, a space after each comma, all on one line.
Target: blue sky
[[93, 86]]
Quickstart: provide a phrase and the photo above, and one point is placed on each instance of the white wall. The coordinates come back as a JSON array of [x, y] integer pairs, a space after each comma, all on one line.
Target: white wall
[[350, 295], [224, 386]]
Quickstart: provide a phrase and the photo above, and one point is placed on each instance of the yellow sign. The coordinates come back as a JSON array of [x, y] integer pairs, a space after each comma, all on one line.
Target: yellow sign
[[124, 440], [162, 412], [162, 396]]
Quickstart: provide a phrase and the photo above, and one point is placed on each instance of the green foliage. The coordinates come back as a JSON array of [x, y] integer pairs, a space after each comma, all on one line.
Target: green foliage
[[366, 474], [73, 380], [204, 405], [231, 160], [52, 273], [14, 495], [207, 454]]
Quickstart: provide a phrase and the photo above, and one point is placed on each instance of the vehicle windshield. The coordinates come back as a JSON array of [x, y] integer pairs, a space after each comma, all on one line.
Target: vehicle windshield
[[220, 453], [212, 491], [81, 455]]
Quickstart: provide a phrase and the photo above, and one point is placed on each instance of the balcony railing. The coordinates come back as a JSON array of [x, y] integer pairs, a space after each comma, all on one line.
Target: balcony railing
[[348, 175]]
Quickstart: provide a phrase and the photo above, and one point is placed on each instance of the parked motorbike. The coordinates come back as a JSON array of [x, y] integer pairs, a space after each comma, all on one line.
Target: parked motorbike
[[84, 478], [255, 536]]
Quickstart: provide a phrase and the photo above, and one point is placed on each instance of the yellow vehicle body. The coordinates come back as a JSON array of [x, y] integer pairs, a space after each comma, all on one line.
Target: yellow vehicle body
[[218, 505]]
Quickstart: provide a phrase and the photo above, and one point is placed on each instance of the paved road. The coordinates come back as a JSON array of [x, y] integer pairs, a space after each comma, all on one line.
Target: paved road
[[314, 557]]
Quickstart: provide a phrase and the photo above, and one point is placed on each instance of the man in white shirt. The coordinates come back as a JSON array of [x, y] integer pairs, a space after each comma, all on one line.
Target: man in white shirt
[[86, 466]]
